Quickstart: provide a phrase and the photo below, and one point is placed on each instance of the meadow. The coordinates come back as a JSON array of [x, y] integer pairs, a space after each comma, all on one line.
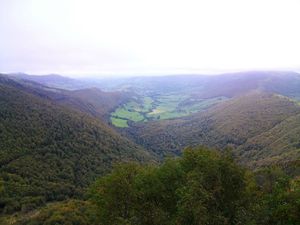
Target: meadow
[[160, 107]]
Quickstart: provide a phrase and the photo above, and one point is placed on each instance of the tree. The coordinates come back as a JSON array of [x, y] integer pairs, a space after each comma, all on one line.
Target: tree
[[279, 198], [194, 189], [116, 196]]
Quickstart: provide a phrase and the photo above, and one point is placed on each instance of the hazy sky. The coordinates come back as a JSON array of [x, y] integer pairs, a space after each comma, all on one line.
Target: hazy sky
[[148, 36]]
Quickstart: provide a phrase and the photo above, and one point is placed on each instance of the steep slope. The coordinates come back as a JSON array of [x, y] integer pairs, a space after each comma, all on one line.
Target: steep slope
[[232, 123], [93, 101], [50, 152], [282, 142]]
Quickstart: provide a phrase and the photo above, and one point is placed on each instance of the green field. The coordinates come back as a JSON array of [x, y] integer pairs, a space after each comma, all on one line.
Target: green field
[[119, 122], [125, 113], [159, 108]]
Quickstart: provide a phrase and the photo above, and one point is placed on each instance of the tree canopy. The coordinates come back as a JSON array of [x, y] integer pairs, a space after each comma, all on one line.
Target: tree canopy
[[201, 187]]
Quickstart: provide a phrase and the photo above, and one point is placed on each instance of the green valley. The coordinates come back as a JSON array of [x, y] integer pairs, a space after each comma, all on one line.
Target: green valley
[[135, 153], [149, 112], [160, 107]]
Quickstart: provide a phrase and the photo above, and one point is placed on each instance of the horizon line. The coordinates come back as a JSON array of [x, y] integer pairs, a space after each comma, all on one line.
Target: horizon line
[[148, 74]]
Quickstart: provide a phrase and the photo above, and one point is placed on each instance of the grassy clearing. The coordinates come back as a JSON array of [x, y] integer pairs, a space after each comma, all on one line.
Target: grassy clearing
[[156, 111], [119, 122], [148, 103], [124, 113], [133, 106], [167, 107]]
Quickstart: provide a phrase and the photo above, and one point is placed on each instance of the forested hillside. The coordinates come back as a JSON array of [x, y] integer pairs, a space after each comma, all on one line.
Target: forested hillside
[[55, 143], [245, 123], [89, 100], [94, 101], [282, 142], [50, 152], [203, 186]]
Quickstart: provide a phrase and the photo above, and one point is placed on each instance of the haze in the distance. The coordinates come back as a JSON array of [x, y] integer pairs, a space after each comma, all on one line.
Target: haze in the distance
[[148, 37]]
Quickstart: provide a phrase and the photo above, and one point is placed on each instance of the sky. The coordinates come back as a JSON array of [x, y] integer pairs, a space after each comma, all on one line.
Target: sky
[[141, 37]]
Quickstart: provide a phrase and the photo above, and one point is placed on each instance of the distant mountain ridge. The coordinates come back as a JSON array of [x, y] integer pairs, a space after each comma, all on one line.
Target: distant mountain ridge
[[90, 100], [205, 86], [52, 80], [286, 83]]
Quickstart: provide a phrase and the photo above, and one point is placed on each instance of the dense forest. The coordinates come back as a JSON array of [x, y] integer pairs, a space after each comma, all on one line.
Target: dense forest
[[50, 152], [201, 187], [90, 100]]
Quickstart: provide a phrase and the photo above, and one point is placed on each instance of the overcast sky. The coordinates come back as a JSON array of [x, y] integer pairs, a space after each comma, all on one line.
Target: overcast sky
[[148, 36]]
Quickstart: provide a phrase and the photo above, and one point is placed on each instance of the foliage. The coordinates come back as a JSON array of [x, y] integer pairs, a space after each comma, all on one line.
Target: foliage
[[49, 152], [195, 189], [201, 187], [278, 198], [72, 212]]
